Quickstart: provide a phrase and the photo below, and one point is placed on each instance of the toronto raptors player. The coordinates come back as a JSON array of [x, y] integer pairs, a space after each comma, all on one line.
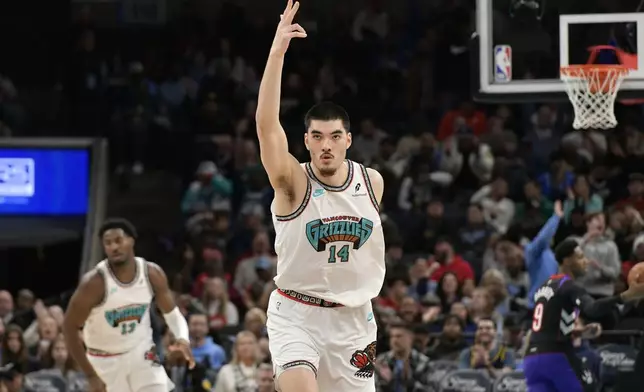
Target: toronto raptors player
[[112, 306], [329, 243]]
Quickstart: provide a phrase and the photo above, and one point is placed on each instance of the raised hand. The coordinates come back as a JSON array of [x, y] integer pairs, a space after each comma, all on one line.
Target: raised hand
[[286, 29]]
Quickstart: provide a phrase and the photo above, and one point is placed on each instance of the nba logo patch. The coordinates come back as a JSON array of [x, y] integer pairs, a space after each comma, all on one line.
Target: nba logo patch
[[502, 64]]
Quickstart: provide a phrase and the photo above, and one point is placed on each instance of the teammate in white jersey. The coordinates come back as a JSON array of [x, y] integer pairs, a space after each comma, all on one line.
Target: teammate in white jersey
[[329, 243], [112, 307]]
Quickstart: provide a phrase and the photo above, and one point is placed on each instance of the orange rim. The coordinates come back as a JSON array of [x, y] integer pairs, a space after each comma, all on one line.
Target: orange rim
[[597, 71]]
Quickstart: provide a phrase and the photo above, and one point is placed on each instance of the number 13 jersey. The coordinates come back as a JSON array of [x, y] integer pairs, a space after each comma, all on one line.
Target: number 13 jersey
[[122, 321], [332, 247]]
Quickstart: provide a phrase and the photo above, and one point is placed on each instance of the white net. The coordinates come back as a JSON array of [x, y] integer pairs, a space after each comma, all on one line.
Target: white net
[[592, 91]]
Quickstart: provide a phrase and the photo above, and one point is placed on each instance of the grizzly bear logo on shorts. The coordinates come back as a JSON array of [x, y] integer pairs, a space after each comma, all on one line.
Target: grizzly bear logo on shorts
[[152, 356], [364, 360]]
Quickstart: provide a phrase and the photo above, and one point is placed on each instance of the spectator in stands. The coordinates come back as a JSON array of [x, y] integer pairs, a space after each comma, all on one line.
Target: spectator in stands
[[446, 260], [535, 209], [460, 310], [240, 375], [465, 120], [487, 353], [581, 198], [48, 330], [498, 209], [11, 378], [635, 197], [6, 306], [246, 271], [211, 191], [448, 291], [605, 264], [494, 281], [205, 351], [255, 322], [474, 237], [221, 312], [403, 367], [450, 342], [429, 228], [58, 359], [483, 307], [265, 381], [396, 291], [15, 351], [555, 183], [419, 281]]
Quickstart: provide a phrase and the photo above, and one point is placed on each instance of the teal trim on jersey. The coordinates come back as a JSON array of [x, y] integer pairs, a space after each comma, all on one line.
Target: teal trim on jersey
[[147, 277], [331, 188], [300, 209], [367, 181]]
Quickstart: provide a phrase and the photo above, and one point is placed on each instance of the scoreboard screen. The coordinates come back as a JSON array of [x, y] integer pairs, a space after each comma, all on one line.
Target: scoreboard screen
[[44, 181]]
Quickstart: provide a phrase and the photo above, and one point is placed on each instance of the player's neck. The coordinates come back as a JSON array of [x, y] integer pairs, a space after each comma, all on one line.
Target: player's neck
[[125, 272], [337, 179], [566, 271]]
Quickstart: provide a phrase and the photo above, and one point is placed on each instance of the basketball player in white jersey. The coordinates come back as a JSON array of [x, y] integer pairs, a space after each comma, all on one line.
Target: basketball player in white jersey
[[112, 306], [329, 243]]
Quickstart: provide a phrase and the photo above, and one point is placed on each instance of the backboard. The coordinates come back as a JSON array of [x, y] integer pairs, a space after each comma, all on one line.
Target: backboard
[[520, 45]]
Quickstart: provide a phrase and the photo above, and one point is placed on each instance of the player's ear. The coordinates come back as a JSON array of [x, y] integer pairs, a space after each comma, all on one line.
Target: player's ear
[[349, 139], [306, 140]]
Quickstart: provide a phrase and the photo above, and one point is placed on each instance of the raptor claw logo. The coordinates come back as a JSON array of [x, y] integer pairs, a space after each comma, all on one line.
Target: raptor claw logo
[[364, 361]]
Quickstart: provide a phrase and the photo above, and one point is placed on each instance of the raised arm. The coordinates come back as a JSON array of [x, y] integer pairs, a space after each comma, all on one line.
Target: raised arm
[[89, 294], [283, 169]]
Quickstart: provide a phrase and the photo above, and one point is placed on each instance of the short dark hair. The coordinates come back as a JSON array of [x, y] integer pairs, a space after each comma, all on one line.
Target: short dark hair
[[118, 223], [327, 111], [565, 249]]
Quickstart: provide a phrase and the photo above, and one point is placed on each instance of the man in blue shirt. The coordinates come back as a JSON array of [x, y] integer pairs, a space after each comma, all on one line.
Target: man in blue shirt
[[539, 259]]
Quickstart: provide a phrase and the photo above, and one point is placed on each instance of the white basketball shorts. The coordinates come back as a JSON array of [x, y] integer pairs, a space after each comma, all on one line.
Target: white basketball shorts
[[337, 343], [131, 371]]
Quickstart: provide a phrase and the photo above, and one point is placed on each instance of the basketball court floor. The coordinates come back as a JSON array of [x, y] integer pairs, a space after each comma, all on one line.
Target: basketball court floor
[[520, 45]]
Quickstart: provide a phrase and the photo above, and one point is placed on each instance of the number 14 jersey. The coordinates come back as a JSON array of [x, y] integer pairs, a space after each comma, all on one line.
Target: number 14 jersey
[[332, 247]]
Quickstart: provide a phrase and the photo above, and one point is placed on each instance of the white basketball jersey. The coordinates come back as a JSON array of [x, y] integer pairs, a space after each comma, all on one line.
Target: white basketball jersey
[[332, 246], [122, 321]]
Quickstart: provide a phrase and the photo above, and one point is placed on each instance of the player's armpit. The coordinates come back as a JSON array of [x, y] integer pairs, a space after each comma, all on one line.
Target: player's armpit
[[377, 183], [162, 293]]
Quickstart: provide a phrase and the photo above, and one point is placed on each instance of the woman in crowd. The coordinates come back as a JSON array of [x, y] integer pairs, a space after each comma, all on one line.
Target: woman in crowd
[[14, 350], [240, 374], [221, 312], [57, 358], [255, 322], [449, 291], [483, 306], [494, 281]]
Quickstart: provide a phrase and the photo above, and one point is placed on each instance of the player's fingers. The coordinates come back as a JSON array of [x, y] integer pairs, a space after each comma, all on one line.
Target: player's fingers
[[289, 4], [295, 34], [288, 16], [297, 27]]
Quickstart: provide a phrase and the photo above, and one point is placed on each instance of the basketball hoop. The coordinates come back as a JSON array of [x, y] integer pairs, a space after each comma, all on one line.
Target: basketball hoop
[[592, 89]]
